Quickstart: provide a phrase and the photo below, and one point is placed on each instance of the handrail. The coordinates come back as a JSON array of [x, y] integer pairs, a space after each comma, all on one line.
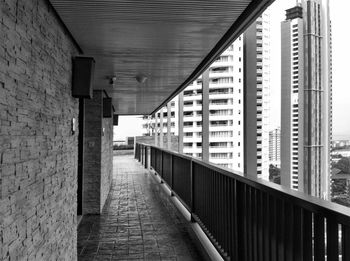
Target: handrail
[[236, 212], [267, 186]]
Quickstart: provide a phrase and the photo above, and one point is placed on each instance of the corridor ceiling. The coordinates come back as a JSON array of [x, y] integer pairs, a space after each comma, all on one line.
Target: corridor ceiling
[[169, 42]]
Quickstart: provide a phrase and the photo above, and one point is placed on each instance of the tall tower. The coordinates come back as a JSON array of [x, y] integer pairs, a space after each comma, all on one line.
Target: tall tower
[[257, 97], [306, 92], [275, 147]]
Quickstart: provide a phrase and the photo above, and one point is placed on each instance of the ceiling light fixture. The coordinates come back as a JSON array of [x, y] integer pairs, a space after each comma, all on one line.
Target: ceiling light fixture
[[141, 78], [112, 79]]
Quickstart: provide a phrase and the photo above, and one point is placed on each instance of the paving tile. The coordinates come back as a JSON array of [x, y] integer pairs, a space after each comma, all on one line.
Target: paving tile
[[138, 222]]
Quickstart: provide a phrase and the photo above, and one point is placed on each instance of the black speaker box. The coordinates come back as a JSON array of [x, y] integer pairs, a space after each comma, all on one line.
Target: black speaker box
[[83, 77], [107, 107], [115, 119]]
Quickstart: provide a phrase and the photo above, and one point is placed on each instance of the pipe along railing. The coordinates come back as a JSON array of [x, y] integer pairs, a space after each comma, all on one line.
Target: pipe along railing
[[248, 219]]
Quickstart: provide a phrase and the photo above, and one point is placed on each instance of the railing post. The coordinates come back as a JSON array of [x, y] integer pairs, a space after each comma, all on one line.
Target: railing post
[[146, 157], [156, 159], [140, 154], [161, 168], [171, 174], [143, 154], [192, 191]]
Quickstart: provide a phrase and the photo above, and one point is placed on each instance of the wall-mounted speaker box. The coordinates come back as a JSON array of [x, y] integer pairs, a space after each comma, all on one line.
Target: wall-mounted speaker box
[[107, 107], [83, 77], [115, 119]]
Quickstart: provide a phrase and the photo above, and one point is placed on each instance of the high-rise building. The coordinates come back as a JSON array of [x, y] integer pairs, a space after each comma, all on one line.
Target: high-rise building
[[217, 95], [306, 98], [148, 125], [275, 147], [257, 96], [212, 107]]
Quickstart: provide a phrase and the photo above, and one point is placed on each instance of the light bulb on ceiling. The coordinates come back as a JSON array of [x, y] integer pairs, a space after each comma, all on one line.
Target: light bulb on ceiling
[[112, 79]]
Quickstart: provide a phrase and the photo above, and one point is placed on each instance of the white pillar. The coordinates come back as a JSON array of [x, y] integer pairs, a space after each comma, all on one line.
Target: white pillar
[[169, 125], [161, 137], [205, 115], [156, 129], [181, 122]]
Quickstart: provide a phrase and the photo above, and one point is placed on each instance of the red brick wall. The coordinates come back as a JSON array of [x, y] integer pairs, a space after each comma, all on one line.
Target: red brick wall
[[38, 152]]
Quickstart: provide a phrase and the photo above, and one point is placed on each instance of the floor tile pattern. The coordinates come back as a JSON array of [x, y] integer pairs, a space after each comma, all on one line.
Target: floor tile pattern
[[139, 222]]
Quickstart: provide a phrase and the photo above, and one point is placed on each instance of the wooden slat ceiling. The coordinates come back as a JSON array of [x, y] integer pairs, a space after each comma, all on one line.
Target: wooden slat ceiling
[[164, 40]]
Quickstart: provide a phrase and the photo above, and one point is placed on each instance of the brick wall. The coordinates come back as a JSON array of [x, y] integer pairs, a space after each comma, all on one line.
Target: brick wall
[[38, 153], [97, 155], [92, 153], [107, 160]]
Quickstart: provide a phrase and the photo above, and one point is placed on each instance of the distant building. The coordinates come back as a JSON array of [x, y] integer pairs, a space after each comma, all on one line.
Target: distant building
[[306, 114], [275, 147], [148, 123], [340, 143]]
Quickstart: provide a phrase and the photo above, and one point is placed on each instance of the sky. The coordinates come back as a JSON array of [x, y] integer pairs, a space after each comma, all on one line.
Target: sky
[[128, 126], [341, 56]]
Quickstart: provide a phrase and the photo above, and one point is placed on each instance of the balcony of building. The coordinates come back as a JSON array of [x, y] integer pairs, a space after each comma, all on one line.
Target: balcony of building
[[68, 69], [249, 218]]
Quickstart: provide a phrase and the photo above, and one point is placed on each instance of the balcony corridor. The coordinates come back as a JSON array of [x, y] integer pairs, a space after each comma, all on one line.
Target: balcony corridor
[[139, 221]]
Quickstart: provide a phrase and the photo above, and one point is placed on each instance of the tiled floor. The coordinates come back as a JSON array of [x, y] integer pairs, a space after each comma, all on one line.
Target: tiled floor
[[139, 222]]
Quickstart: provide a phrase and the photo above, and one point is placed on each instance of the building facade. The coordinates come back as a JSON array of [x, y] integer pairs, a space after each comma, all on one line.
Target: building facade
[[149, 128], [306, 98], [257, 96], [210, 114], [217, 98], [275, 147]]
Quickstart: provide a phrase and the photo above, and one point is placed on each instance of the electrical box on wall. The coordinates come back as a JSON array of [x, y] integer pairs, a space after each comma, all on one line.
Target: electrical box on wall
[[83, 77], [107, 107]]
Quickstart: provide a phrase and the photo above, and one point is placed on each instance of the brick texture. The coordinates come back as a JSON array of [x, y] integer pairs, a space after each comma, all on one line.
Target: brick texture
[[98, 137], [106, 160], [38, 152], [92, 154]]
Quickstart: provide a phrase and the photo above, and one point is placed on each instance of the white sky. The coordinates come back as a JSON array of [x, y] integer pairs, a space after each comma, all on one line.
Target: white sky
[[131, 126], [128, 126], [341, 58]]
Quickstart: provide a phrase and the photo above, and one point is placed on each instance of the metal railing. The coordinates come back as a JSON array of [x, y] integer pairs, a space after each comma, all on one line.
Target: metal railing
[[251, 219]]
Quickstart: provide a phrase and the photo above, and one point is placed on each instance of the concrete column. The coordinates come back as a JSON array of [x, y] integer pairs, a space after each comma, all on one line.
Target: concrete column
[[205, 116], [161, 134], [250, 107], [181, 122], [156, 129], [169, 125]]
